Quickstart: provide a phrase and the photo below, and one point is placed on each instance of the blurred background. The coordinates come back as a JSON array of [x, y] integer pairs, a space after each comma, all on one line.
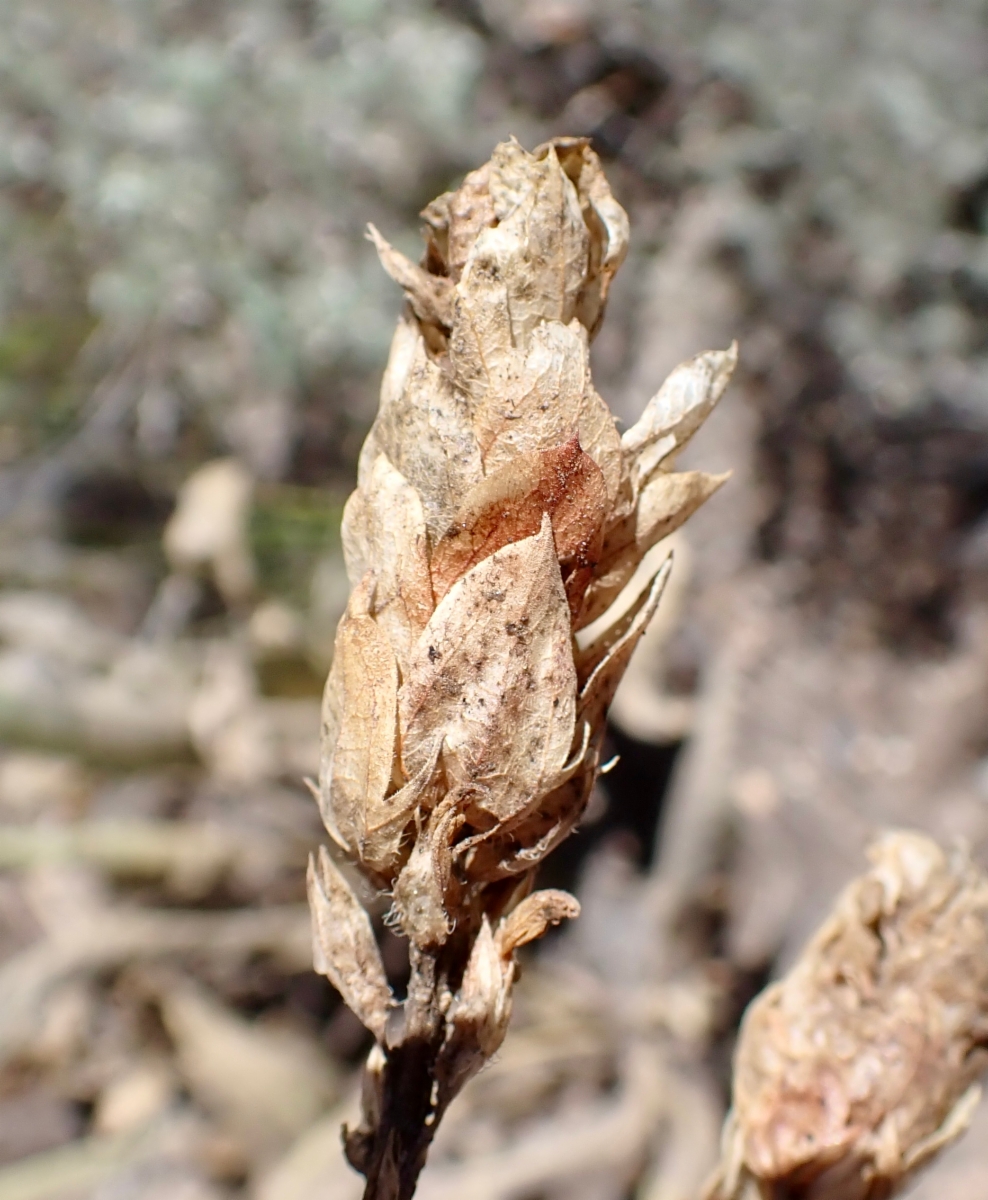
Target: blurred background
[[192, 332]]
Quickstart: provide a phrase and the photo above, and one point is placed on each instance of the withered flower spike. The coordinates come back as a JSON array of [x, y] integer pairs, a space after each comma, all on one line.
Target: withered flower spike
[[862, 1063], [498, 510]]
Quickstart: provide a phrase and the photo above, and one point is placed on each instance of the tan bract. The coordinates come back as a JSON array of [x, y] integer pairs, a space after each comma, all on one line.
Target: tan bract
[[854, 1070], [498, 511]]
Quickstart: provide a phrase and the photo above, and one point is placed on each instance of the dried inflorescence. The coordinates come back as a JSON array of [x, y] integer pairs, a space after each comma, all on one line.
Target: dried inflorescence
[[498, 512], [860, 1065]]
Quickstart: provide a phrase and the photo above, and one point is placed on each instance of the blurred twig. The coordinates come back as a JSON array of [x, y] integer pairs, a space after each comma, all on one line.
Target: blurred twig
[[112, 936], [190, 855]]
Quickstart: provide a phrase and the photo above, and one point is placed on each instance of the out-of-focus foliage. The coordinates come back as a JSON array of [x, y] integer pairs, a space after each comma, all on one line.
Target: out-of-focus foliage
[[885, 109], [183, 191]]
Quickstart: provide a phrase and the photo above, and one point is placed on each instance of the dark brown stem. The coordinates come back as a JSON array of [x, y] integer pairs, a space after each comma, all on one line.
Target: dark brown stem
[[397, 1152], [406, 1102]]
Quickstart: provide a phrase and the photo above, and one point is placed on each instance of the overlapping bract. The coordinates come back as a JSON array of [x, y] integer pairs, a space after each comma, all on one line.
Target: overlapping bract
[[854, 1070], [498, 511]]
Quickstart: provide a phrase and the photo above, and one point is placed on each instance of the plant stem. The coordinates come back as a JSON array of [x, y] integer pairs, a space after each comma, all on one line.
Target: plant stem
[[392, 1152], [397, 1153]]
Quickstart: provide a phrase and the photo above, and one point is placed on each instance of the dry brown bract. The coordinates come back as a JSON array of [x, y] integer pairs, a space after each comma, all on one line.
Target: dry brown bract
[[498, 511], [860, 1065]]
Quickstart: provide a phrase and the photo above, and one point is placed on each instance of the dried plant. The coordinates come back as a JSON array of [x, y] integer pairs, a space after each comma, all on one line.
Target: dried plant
[[498, 512], [860, 1065]]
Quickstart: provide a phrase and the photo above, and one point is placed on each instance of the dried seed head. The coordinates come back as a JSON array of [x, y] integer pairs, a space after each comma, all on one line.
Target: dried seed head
[[498, 511], [861, 1064]]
